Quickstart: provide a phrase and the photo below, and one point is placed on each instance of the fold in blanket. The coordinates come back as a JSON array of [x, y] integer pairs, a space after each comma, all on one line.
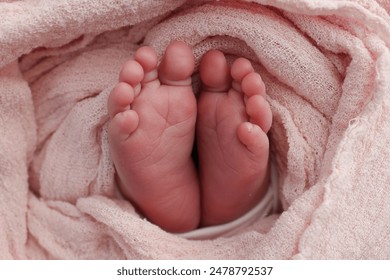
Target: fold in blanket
[[326, 65]]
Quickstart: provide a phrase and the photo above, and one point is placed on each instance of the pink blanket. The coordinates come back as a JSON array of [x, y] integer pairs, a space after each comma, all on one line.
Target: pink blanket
[[326, 65]]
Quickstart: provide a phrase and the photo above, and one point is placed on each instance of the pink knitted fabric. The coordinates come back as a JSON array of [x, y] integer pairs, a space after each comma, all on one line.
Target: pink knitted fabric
[[326, 65]]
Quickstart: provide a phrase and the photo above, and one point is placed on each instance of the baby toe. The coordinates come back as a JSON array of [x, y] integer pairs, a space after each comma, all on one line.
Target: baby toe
[[254, 138]]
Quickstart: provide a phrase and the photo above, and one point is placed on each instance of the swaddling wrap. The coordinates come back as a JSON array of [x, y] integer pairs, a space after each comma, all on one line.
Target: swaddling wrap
[[326, 66]]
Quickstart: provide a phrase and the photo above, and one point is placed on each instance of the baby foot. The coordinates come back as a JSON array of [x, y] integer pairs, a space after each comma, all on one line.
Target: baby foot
[[233, 147], [151, 134]]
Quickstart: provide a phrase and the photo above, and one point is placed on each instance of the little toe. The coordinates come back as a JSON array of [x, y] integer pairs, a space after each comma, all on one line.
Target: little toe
[[177, 65], [120, 99], [254, 138], [122, 125], [214, 72], [259, 112]]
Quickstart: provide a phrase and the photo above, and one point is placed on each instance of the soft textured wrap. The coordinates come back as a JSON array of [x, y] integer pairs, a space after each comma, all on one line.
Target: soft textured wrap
[[326, 65]]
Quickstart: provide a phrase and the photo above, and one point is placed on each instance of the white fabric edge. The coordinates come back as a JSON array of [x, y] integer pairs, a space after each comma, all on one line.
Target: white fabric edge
[[264, 208]]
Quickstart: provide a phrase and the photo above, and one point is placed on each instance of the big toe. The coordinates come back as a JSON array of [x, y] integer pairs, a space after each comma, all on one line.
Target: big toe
[[214, 72], [177, 65]]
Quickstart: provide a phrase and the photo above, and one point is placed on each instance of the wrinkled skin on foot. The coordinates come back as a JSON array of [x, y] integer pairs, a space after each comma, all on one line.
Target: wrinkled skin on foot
[[233, 147], [151, 133]]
